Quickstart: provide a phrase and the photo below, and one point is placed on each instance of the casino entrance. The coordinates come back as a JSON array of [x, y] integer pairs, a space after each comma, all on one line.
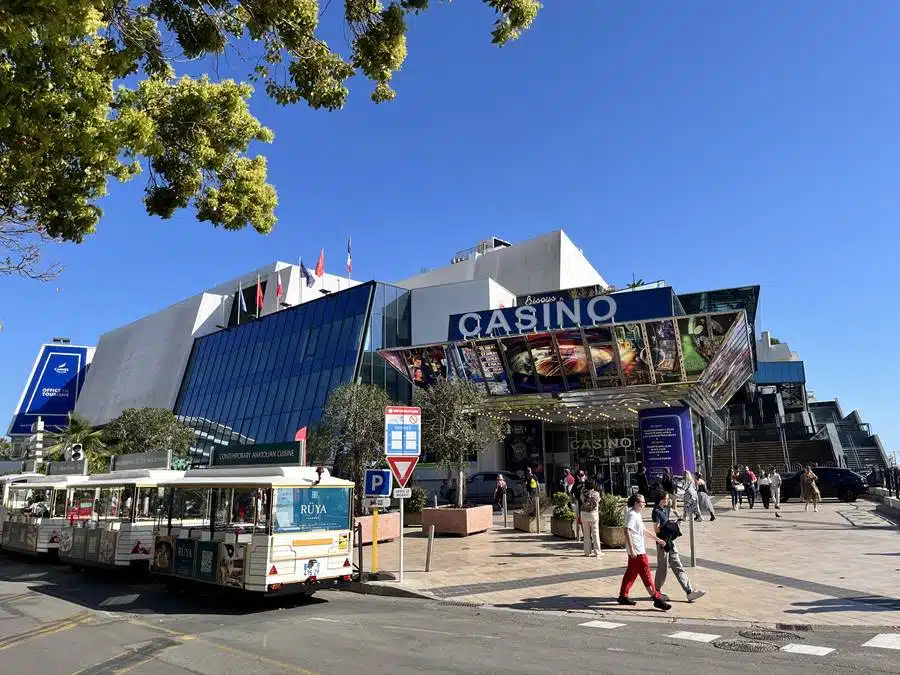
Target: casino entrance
[[607, 453]]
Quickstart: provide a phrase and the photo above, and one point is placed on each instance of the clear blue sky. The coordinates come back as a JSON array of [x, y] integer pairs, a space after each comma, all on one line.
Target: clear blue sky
[[706, 143]]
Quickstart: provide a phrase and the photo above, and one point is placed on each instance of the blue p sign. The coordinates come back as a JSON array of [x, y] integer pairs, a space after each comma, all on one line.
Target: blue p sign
[[378, 483]]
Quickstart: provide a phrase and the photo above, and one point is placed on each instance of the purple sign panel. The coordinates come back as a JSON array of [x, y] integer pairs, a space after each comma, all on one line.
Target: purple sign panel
[[667, 441]]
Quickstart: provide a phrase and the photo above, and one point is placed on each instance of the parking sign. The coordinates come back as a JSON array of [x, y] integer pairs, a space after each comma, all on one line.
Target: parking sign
[[378, 483]]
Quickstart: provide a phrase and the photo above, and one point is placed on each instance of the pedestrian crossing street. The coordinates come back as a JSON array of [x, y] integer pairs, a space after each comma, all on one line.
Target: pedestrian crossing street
[[879, 641]]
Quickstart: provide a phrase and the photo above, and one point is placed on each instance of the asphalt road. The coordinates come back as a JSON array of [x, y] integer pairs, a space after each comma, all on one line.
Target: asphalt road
[[55, 621]]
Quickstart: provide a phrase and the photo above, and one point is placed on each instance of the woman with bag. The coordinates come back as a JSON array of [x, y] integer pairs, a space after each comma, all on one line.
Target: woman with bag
[[737, 490], [809, 490], [590, 519]]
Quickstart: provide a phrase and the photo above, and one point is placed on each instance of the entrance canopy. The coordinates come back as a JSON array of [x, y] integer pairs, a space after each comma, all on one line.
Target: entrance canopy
[[600, 370]]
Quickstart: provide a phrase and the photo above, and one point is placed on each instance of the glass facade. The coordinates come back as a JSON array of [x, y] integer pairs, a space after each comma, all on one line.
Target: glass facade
[[261, 381], [389, 326]]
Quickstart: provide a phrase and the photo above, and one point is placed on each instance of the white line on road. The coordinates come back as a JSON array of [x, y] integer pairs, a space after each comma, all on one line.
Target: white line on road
[[602, 624], [322, 618], [811, 650], [408, 629], [696, 637], [884, 641]]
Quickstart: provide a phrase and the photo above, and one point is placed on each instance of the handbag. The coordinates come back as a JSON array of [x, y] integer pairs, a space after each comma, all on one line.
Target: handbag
[[739, 487]]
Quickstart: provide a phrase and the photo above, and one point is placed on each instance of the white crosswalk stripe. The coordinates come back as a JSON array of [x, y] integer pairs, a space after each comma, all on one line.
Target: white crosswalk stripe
[[884, 641], [811, 650], [602, 624], [696, 637]]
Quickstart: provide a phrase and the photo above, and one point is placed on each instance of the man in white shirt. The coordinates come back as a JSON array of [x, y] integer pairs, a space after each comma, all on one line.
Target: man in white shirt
[[775, 482], [638, 562]]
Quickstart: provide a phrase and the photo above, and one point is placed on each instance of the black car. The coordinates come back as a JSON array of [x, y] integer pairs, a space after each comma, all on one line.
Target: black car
[[842, 484]]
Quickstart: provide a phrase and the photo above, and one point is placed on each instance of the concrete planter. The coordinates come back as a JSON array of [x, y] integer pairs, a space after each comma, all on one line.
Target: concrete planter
[[612, 537], [388, 527], [412, 519], [463, 522], [524, 522], [566, 529]]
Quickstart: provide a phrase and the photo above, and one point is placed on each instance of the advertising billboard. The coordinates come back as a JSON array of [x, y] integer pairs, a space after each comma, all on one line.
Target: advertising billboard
[[667, 440], [52, 388]]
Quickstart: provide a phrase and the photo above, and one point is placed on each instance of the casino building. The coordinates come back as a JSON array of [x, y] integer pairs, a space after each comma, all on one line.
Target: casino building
[[569, 361]]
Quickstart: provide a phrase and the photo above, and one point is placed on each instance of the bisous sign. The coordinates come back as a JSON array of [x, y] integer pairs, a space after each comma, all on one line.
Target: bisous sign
[[533, 318]]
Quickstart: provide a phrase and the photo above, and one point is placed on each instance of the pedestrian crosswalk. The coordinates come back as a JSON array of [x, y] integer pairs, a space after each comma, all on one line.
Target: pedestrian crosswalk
[[880, 641]]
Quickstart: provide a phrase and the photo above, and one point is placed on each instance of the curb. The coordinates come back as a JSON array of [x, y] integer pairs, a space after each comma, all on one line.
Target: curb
[[394, 590]]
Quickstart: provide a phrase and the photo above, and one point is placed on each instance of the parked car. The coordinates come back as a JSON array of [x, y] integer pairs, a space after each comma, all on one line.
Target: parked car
[[481, 486], [842, 484]]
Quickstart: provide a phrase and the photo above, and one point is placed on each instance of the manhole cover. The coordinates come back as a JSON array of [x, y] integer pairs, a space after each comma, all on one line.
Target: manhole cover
[[745, 646], [768, 635]]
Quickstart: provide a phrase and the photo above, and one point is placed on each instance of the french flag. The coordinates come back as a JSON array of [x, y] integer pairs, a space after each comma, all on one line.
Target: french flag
[[349, 258]]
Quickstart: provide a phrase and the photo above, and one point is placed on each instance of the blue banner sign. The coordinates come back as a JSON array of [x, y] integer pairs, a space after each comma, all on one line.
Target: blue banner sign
[[667, 440], [566, 313], [311, 509], [56, 380]]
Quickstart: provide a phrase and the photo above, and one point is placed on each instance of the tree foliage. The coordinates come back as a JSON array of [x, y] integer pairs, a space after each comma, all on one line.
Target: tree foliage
[[6, 451], [147, 430], [78, 430], [89, 93], [452, 431], [351, 436]]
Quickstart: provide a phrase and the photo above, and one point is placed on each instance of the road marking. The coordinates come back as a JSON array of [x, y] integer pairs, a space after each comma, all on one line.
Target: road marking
[[695, 637], [46, 630], [811, 650], [602, 624], [322, 618], [405, 629], [884, 641]]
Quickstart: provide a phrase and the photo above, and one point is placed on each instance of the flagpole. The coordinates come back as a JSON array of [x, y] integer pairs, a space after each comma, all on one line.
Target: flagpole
[[258, 286], [238, 301]]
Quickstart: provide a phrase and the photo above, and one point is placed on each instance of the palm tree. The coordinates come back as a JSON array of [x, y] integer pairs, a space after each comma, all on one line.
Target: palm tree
[[79, 431]]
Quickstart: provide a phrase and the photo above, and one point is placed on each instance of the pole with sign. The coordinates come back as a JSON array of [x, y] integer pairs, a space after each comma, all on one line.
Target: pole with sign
[[402, 446], [377, 488]]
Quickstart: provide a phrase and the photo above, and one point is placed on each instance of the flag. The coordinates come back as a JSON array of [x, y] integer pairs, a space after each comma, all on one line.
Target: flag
[[241, 299], [259, 295], [320, 265], [279, 291], [349, 258], [310, 279]]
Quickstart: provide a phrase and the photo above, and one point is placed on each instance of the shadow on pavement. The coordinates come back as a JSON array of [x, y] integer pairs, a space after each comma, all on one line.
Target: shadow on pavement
[[114, 591], [862, 603], [563, 603]]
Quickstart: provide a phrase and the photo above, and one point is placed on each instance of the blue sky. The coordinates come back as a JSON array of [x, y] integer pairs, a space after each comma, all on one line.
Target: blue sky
[[709, 144]]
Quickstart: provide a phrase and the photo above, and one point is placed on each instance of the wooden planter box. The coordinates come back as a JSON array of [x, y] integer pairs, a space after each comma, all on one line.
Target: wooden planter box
[[523, 522], [388, 527], [612, 537], [412, 519], [451, 520], [566, 529]]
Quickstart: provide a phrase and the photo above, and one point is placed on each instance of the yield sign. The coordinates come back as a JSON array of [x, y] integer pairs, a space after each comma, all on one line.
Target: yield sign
[[402, 468]]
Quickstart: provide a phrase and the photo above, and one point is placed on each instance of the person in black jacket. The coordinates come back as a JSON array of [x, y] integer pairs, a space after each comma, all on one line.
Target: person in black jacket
[[666, 526], [641, 480]]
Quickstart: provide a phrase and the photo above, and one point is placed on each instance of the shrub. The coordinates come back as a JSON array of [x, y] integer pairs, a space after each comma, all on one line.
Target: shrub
[[561, 509], [612, 510], [417, 501]]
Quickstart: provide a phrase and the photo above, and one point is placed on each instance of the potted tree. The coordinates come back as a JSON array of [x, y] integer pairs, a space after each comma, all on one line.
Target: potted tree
[[412, 515], [612, 520], [526, 519], [350, 438], [562, 522], [453, 433]]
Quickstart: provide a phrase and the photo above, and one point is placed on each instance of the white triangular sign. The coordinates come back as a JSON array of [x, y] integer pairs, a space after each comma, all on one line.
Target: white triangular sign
[[402, 468]]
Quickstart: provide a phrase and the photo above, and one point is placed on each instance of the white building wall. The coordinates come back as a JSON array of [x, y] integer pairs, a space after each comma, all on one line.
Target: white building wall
[[546, 263], [141, 365], [767, 352], [432, 306]]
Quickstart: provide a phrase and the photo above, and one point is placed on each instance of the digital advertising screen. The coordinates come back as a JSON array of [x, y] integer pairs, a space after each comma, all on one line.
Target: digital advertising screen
[[694, 336], [573, 358], [492, 367], [546, 363], [521, 364], [663, 342], [426, 365], [632, 354]]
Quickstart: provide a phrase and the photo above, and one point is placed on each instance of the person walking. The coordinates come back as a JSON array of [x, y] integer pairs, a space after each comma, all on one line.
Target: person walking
[[638, 562], [775, 482], [737, 489], [499, 492], [590, 519], [809, 490], [704, 498], [668, 484], [666, 527], [643, 485], [577, 493], [748, 480], [691, 502], [765, 489]]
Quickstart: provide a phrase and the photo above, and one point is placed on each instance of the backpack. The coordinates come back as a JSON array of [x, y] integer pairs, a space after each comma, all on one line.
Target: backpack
[[590, 501]]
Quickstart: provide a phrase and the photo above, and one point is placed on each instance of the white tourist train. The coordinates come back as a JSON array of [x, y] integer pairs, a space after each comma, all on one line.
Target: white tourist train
[[261, 529]]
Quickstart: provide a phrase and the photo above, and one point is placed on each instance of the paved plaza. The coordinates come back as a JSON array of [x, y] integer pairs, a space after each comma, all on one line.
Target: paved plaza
[[837, 567]]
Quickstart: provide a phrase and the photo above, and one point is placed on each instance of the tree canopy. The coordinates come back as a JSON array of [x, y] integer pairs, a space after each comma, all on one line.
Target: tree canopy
[[149, 429], [90, 93]]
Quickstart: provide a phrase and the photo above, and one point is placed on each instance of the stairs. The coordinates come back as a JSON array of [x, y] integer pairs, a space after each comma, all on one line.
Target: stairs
[[810, 452], [759, 453], [862, 460]]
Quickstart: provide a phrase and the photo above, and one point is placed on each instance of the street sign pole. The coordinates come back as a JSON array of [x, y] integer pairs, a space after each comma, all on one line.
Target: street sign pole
[[402, 502], [402, 446], [375, 540]]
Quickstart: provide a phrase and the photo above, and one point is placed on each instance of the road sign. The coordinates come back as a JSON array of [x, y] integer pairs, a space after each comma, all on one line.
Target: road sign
[[402, 431], [402, 468], [377, 502], [402, 493], [378, 483]]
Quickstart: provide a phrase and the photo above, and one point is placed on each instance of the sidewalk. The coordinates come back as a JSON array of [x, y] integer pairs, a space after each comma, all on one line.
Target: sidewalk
[[840, 566]]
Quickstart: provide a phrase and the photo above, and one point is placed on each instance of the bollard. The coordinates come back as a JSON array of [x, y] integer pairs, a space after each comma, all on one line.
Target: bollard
[[430, 547], [374, 541], [537, 511], [359, 547], [691, 531], [505, 525], [435, 501]]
